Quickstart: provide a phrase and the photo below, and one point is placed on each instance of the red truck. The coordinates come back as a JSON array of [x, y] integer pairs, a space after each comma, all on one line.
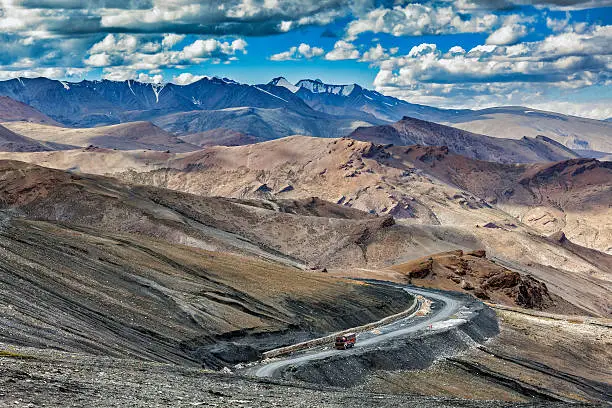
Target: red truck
[[346, 341]]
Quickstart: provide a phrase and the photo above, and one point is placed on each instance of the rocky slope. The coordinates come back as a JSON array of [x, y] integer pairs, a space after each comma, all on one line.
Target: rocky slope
[[473, 273], [103, 266], [219, 137], [562, 357], [260, 123], [409, 131], [433, 213], [46, 377], [570, 196], [516, 122]]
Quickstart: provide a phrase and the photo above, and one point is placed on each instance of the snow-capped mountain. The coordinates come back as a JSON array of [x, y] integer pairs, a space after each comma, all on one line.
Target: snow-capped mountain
[[356, 101], [511, 122], [317, 86], [92, 103], [282, 82]]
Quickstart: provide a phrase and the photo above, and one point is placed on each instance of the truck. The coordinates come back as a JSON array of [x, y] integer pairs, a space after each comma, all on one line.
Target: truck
[[345, 341]]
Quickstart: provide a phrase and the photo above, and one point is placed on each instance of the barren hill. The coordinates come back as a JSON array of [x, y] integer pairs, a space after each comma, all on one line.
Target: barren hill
[[103, 265], [13, 142], [571, 196], [219, 137], [12, 110], [260, 123], [515, 122], [410, 131], [432, 213], [127, 136]]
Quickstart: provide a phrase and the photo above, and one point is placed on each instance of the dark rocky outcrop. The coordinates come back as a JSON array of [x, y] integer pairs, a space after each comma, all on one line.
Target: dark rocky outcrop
[[473, 273]]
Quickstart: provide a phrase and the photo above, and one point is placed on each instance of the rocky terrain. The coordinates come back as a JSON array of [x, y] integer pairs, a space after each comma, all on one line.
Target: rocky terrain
[[473, 273], [433, 196], [515, 122], [562, 358], [219, 137], [570, 196], [51, 378], [90, 265], [138, 267], [410, 131]]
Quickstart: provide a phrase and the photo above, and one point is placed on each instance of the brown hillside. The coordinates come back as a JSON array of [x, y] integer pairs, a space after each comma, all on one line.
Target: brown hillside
[[13, 111], [125, 136]]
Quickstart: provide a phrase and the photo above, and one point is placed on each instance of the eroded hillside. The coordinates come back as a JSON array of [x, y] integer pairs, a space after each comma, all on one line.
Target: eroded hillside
[[90, 265]]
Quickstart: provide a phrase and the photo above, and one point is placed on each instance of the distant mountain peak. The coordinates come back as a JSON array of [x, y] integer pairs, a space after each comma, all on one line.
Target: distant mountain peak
[[282, 81], [317, 86]]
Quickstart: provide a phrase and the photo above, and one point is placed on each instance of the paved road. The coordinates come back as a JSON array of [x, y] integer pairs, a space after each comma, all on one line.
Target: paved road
[[443, 308]]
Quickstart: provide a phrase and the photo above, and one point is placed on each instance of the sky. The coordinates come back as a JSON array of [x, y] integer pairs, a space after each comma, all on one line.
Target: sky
[[546, 54]]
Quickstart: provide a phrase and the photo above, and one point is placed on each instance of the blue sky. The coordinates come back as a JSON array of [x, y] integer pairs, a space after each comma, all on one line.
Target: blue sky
[[548, 54]]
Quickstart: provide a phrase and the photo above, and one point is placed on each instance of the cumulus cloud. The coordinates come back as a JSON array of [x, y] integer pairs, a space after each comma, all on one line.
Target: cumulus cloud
[[230, 17], [551, 4], [377, 53], [53, 73], [343, 50], [301, 51], [494, 74], [507, 34], [170, 40], [133, 52], [421, 19]]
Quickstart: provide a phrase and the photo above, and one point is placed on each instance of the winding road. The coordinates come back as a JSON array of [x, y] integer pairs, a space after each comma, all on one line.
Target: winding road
[[446, 311]]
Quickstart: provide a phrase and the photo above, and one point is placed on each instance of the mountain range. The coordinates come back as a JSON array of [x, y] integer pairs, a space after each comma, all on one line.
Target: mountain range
[[220, 106], [513, 122]]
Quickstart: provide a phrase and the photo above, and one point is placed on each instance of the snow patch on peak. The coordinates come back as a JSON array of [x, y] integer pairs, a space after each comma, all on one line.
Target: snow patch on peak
[[66, 87], [157, 88], [317, 86], [129, 83], [281, 81]]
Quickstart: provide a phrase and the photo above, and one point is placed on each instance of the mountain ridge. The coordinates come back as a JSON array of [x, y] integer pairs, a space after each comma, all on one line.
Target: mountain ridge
[[103, 102]]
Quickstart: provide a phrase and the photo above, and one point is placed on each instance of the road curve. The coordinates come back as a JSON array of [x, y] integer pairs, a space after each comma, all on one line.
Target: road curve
[[443, 307]]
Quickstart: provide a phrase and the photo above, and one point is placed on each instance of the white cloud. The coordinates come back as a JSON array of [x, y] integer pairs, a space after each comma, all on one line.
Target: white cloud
[[421, 19], [509, 33], [53, 73], [592, 110], [143, 53], [309, 52], [186, 78], [496, 74], [285, 55], [170, 40], [343, 50], [377, 53], [301, 51]]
